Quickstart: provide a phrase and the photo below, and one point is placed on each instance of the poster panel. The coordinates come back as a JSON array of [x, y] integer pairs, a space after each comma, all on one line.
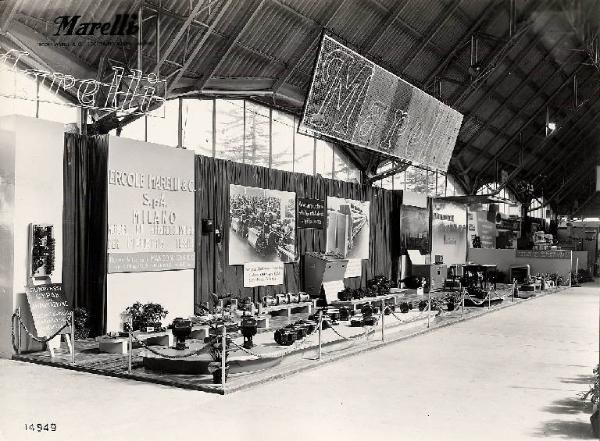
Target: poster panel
[[449, 231], [414, 229], [348, 228], [262, 225], [356, 101], [485, 229], [150, 208]]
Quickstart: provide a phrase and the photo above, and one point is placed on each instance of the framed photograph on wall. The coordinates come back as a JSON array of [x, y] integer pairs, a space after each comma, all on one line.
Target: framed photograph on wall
[[262, 225], [348, 228]]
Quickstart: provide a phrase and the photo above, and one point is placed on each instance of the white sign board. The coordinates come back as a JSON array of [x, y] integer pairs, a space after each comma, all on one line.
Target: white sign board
[[263, 274], [354, 268], [150, 207]]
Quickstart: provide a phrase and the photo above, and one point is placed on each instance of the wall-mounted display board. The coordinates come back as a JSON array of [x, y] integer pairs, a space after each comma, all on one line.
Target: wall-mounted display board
[[414, 229], [262, 225], [49, 307], [348, 227], [449, 231], [358, 102], [150, 208], [544, 254], [311, 213], [480, 225]]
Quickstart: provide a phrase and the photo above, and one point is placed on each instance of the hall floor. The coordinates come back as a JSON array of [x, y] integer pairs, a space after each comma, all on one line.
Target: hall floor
[[511, 375]]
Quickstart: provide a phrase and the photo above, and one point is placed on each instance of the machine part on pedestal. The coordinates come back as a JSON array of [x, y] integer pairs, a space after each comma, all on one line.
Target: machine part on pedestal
[[269, 301], [248, 328], [181, 329], [282, 299], [303, 297], [345, 313]]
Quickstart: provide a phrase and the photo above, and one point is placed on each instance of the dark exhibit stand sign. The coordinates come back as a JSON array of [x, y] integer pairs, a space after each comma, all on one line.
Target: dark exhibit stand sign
[[311, 213], [49, 307]]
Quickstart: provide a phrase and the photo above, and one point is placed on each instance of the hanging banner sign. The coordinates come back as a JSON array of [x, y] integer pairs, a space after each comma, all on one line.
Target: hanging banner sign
[[310, 213], [49, 308], [355, 101], [263, 274], [127, 93]]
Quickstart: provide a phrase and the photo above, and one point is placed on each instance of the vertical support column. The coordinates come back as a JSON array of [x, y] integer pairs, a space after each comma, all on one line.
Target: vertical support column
[[139, 38]]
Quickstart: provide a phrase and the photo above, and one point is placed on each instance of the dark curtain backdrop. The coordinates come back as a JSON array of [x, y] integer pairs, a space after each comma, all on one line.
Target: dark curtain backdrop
[[85, 233], [213, 274]]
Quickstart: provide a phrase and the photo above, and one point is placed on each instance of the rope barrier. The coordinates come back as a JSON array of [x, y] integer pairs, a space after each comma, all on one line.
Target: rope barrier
[[174, 357], [295, 347], [38, 339]]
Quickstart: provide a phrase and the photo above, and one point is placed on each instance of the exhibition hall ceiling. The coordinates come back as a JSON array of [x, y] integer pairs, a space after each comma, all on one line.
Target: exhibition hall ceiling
[[524, 73]]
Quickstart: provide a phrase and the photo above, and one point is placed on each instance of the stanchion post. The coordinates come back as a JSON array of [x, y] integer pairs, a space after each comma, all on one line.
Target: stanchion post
[[129, 342], [19, 330], [462, 298], [223, 356], [382, 320], [514, 287], [129, 351], [73, 336], [489, 299], [429, 306], [320, 330]]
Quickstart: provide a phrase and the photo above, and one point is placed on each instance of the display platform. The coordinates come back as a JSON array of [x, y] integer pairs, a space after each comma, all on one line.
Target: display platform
[[355, 304], [336, 343]]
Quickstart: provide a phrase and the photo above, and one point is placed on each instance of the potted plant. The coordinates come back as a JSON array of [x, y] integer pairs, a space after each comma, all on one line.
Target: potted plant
[[82, 329], [594, 396], [147, 317], [452, 300]]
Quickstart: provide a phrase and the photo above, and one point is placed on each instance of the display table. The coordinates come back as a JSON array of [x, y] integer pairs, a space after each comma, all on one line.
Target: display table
[[118, 345], [287, 307], [355, 304], [199, 332]]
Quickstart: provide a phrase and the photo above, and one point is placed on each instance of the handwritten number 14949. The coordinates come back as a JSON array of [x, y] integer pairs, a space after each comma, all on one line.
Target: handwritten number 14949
[[40, 427]]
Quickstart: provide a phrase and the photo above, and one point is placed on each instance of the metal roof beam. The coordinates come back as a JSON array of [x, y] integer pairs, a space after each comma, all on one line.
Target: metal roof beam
[[558, 159], [198, 46], [505, 102], [496, 59], [484, 18], [180, 33], [380, 31], [559, 142], [432, 31], [300, 55], [10, 9], [523, 126], [231, 44], [573, 181]]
